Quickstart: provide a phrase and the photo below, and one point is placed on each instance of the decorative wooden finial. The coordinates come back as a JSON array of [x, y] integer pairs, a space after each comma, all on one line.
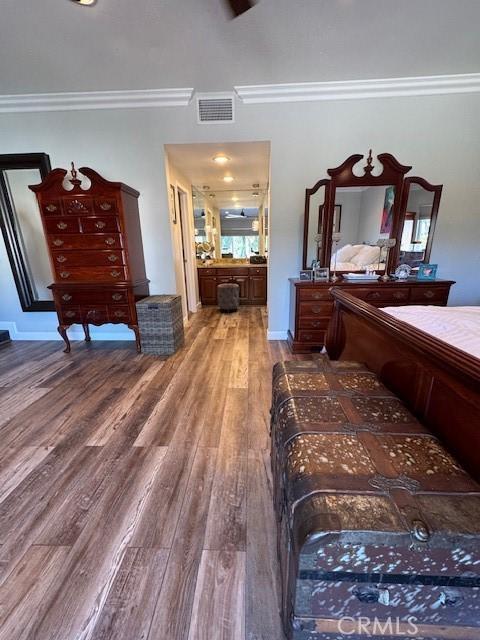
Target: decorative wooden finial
[[74, 180], [369, 166]]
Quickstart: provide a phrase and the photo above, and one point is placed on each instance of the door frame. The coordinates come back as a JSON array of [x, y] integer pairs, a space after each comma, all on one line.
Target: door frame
[[188, 257]]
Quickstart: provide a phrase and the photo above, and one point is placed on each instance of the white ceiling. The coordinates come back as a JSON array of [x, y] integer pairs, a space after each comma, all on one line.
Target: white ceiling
[[249, 164], [56, 45]]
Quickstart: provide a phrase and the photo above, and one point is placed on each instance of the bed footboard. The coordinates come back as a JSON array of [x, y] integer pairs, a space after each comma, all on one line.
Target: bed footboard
[[439, 383]]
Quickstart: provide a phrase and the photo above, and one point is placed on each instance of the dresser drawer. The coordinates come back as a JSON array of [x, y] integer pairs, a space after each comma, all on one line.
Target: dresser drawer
[[70, 314], [207, 271], [62, 225], [77, 205], [105, 205], [426, 294], [91, 241], [313, 337], [314, 294], [315, 309], [239, 271], [119, 313], [310, 323], [91, 274], [95, 296], [100, 225], [379, 294], [88, 258], [257, 271]]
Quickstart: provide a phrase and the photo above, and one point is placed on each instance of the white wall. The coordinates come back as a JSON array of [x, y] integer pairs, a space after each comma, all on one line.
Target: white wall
[[438, 135]]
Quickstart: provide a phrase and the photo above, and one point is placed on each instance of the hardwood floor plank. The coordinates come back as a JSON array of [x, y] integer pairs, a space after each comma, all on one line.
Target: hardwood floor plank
[[128, 610], [262, 577], [174, 607], [227, 513], [22, 594], [219, 605], [72, 606], [17, 464]]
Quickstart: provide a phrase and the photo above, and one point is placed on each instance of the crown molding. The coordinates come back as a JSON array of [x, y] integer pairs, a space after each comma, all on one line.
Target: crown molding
[[357, 89], [77, 101]]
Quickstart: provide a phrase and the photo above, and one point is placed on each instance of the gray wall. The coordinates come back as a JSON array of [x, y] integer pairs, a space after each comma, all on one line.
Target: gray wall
[[438, 135]]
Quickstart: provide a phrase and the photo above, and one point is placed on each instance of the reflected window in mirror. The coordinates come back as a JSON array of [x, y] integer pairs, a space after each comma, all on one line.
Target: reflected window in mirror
[[22, 229]]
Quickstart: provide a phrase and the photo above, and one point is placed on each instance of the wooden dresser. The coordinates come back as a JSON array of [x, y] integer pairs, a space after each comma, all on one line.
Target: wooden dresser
[[311, 304], [96, 250], [252, 280]]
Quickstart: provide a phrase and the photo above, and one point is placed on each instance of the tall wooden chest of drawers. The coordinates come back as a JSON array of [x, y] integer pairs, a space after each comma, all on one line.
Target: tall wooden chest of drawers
[[96, 253], [311, 304]]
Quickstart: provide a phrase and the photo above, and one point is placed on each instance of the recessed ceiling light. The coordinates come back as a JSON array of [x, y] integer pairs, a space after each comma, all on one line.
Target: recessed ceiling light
[[228, 178], [255, 185], [211, 195], [255, 194], [205, 187], [221, 158], [85, 2]]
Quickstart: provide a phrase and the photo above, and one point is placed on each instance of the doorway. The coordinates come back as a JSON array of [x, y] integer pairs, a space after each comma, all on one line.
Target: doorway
[[222, 200]]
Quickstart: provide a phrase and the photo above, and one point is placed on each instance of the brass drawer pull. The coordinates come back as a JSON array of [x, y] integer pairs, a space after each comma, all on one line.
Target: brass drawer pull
[[62, 225], [374, 294], [65, 274], [117, 296], [100, 224], [399, 295], [316, 296], [115, 274], [307, 336], [105, 206], [119, 314], [316, 323], [429, 294], [70, 314], [57, 242], [113, 258], [316, 309], [51, 207], [67, 297], [110, 241], [61, 259]]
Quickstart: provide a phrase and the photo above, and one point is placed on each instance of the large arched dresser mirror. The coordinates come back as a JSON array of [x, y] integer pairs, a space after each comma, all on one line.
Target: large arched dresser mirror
[[362, 222]]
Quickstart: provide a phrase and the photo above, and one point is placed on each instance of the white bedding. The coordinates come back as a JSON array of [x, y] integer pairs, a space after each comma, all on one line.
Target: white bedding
[[458, 326]]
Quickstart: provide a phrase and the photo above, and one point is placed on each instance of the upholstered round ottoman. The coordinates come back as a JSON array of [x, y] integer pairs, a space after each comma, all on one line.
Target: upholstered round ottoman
[[228, 297]]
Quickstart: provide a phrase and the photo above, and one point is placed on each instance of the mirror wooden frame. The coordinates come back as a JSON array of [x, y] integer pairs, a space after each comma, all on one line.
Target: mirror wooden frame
[[436, 189], [21, 276], [392, 174]]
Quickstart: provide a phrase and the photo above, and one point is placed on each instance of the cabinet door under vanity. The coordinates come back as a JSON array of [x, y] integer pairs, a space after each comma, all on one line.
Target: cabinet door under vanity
[[251, 280]]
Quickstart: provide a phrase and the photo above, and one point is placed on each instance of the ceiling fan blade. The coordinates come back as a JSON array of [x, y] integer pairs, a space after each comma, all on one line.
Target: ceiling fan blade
[[240, 6]]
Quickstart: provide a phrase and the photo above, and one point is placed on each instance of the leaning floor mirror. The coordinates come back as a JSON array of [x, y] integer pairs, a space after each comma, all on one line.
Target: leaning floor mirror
[[22, 231]]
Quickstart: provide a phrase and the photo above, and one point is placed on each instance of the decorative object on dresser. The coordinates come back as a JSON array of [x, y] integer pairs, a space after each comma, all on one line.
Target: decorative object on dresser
[[311, 304], [427, 271], [96, 250]]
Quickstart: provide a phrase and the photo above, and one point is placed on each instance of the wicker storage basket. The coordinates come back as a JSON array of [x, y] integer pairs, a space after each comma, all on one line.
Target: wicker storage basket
[[161, 324]]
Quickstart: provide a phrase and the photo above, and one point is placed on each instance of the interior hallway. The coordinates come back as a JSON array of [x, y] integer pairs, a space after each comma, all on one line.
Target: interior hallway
[[135, 498]]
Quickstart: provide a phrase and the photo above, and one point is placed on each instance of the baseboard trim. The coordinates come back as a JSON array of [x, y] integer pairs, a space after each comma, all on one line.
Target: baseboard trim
[[75, 333], [277, 335]]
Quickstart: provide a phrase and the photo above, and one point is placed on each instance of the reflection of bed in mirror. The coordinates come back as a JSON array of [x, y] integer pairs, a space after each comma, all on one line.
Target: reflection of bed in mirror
[[437, 378]]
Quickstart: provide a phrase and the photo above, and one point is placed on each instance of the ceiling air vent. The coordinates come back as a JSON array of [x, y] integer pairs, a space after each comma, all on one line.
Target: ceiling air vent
[[215, 108]]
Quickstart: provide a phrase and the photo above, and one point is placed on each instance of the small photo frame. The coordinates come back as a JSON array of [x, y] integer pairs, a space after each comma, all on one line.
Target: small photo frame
[[321, 274], [306, 275], [427, 271]]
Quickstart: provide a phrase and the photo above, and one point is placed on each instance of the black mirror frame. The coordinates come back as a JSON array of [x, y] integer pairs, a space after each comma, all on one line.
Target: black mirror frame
[[40, 161]]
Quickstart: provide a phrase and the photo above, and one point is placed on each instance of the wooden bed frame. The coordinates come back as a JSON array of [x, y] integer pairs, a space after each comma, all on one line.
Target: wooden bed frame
[[439, 383]]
